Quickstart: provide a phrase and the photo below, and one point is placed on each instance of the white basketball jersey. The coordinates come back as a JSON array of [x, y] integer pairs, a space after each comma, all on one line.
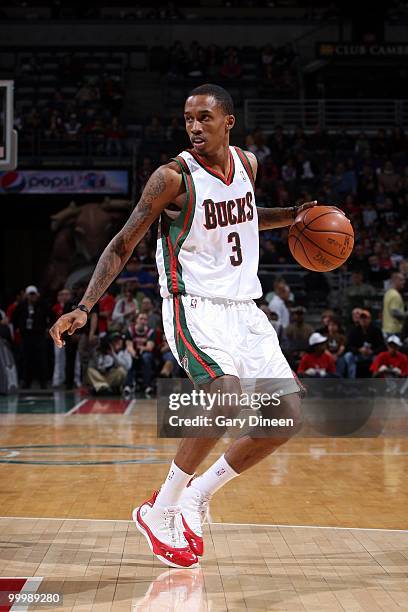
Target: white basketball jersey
[[211, 248]]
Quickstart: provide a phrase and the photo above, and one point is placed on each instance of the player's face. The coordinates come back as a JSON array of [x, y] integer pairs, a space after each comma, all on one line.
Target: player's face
[[207, 124]]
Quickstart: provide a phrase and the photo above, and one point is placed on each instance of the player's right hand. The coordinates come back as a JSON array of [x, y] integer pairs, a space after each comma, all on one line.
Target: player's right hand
[[69, 322]]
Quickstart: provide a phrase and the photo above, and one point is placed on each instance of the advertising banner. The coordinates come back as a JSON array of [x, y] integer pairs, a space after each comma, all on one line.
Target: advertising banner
[[64, 181]]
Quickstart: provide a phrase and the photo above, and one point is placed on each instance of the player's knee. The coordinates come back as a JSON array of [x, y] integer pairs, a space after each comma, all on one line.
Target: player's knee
[[291, 406]]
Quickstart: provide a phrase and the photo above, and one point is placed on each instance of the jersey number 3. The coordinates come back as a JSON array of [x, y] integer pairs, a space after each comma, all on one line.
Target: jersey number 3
[[236, 259]]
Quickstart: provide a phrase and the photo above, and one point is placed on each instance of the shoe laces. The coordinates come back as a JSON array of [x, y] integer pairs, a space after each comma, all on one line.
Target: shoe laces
[[202, 500], [172, 522]]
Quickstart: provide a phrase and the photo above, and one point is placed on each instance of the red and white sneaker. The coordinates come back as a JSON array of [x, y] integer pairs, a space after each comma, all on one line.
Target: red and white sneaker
[[194, 510], [163, 530]]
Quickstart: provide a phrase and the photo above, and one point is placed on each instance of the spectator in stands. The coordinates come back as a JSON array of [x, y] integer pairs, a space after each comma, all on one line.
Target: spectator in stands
[[79, 346], [125, 310], [106, 307], [259, 148], [278, 144], [326, 316], [231, 68], [109, 365], [367, 184], [289, 173], [196, 60], [5, 331], [154, 132], [375, 274], [32, 318], [267, 57], [358, 259], [147, 308], [357, 293], [58, 377], [144, 172], [336, 342], [213, 60], [393, 314], [299, 139], [279, 302], [390, 363], [114, 135], [170, 368], [268, 253], [176, 134], [344, 182], [55, 127], [364, 341], [398, 144], [318, 362], [142, 279], [297, 333], [369, 214], [72, 127], [142, 337], [269, 174], [389, 180], [362, 147], [86, 95], [143, 255], [318, 287]]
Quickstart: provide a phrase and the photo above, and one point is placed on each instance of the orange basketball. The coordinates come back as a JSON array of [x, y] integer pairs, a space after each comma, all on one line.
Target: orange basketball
[[321, 238]]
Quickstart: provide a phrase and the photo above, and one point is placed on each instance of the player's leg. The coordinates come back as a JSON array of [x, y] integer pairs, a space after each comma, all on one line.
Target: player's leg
[[243, 454], [267, 368], [191, 452], [249, 450]]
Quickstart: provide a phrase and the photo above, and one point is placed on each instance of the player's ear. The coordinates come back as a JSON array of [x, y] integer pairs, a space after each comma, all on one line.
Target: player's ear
[[230, 122]]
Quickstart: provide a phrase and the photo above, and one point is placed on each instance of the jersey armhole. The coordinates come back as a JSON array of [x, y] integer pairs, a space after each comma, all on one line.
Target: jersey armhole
[[187, 179], [247, 165]]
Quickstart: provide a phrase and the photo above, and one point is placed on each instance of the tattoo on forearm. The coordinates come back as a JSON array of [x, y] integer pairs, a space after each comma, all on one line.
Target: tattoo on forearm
[[118, 251], [268, 218]]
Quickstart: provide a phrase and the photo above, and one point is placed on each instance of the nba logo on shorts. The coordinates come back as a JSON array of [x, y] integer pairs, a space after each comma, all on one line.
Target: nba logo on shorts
[[184, 363], [193, 303]]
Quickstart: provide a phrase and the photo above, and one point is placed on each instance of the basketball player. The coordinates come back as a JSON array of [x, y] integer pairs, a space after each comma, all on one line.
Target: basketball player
[[207, 257]]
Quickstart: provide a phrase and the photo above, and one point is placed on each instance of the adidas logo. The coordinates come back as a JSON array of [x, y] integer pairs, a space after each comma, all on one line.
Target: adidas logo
[[220, 472]]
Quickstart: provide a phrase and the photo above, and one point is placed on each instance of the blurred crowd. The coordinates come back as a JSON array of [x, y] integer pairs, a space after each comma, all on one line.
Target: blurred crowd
[[76, 107], [270, 65], [122, 349], [363, 329]]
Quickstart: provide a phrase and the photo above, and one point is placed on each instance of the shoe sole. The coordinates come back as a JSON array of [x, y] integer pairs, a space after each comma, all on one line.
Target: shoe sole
[[162, 559]]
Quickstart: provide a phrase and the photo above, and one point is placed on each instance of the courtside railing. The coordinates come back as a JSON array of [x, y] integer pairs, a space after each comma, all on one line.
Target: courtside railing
[[367, 115]]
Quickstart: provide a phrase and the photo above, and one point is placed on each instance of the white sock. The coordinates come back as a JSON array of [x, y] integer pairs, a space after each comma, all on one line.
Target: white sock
[[215, 477], [173, 486]]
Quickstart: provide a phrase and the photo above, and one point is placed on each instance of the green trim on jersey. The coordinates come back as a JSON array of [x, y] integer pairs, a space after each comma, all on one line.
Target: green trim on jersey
[[247, 164], [199, 366], [178, 231], [227, 181]]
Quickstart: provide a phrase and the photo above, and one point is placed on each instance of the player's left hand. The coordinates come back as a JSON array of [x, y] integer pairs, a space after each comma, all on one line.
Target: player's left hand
[[305, 206]]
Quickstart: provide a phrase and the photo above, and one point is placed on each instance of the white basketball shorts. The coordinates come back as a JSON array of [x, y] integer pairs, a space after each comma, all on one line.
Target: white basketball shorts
[[211, 337]]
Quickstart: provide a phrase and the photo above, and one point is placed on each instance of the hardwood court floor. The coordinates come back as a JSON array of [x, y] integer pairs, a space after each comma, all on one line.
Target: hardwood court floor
[[56, 470]]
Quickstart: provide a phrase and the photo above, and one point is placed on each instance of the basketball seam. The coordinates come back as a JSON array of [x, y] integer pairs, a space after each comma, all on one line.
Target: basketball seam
[[321, 248], [328, 231], [330, 212], [307, 257]]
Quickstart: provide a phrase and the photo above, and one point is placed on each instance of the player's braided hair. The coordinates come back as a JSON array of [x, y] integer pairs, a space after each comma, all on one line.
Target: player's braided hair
[[220, 94]]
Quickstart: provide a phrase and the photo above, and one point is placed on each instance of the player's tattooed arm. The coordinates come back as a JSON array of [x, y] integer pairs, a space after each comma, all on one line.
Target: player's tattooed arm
[[270, 218], [161, 189]]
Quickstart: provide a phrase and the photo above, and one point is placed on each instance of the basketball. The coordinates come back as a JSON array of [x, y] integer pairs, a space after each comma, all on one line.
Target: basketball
[[321, 238]]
